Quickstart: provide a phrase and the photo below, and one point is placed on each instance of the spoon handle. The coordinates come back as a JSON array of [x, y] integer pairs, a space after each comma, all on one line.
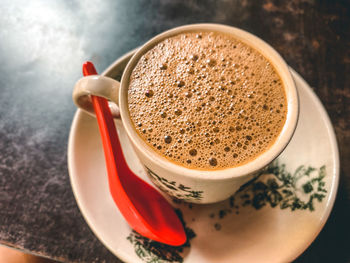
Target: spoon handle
[[110, 140]]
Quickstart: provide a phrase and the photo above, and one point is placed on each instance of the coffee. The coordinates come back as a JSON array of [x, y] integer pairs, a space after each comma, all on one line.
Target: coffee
[[205, 100]]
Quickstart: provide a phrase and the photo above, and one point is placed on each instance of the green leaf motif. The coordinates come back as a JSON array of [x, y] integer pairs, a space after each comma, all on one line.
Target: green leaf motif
[[307, 187], [180, 191], [150, 251], [277, 187]]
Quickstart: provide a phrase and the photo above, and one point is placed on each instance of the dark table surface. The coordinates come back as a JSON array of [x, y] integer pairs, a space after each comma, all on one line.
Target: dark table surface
[[42, 47]]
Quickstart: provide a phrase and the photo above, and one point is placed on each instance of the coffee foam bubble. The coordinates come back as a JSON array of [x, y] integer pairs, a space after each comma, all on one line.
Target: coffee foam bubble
[[208, 102]]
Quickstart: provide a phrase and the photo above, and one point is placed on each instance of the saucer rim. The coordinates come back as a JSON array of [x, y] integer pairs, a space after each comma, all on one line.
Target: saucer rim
[[336, 170]]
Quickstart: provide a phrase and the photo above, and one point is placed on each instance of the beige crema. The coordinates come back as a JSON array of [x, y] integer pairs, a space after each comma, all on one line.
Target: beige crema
[[205, 100]]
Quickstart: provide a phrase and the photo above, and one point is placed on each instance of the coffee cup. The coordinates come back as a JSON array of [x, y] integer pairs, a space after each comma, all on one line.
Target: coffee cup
[[188, 183]]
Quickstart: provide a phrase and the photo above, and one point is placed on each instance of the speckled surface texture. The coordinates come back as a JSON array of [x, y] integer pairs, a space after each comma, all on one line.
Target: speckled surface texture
[[42, 47]]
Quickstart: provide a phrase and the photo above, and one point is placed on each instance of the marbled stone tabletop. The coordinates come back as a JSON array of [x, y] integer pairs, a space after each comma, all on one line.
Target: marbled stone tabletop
[[42, 47]]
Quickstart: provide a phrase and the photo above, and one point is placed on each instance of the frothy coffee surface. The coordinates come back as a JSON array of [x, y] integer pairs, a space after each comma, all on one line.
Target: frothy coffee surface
[[205, 100]]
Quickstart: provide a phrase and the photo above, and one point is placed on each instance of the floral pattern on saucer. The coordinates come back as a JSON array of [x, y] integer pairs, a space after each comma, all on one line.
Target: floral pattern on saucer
[[275, 186]]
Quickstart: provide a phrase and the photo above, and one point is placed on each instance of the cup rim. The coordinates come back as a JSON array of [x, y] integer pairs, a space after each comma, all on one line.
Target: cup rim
[[233, 172]]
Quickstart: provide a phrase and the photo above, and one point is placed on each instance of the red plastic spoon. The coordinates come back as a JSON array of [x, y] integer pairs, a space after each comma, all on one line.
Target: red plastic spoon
[[143, 207]]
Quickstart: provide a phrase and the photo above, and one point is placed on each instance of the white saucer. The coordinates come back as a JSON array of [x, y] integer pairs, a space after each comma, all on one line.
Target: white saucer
[[243, 233]]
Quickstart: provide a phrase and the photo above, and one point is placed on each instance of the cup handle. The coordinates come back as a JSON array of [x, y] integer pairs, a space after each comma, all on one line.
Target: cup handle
[[97, 85]]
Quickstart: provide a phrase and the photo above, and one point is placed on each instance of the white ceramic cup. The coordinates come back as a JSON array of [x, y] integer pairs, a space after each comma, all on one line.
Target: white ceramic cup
[[192, 185]]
